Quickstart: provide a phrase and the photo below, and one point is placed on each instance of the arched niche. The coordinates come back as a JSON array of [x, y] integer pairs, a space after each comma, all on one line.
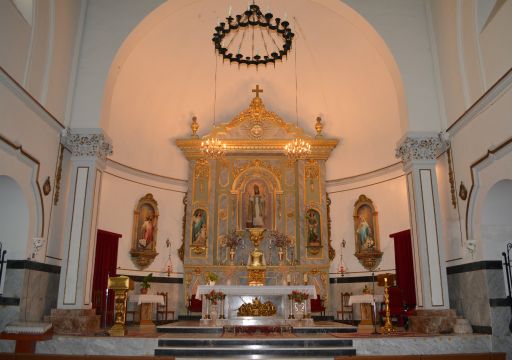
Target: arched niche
[[268, 184], [496, 219], [21, 169], [14, 218]]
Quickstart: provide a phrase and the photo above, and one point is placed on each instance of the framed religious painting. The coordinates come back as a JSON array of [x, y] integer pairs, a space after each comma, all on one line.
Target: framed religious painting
[[366, 233], [313, 232], [199, 231], [144, 233]]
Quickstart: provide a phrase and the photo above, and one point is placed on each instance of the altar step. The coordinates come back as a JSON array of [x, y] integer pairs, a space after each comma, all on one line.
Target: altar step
[[244, 347], [177, 328]]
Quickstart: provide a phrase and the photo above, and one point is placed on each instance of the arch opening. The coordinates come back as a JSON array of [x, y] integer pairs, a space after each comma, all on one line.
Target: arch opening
[[14, 221]]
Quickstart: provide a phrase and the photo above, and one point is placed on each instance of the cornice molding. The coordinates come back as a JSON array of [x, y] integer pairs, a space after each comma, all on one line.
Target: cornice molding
[[480, 105], [25, 97]]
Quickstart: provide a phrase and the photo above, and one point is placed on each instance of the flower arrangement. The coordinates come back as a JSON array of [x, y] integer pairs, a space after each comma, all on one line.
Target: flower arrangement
[[214, 296], [298, 296], [279, 239], [232, 240], [212, 277]]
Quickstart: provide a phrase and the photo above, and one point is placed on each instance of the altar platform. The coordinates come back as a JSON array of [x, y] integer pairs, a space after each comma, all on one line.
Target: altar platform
[[325, 340]]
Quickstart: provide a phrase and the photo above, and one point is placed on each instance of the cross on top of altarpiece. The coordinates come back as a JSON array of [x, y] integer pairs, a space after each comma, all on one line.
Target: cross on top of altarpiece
[[257, 91]]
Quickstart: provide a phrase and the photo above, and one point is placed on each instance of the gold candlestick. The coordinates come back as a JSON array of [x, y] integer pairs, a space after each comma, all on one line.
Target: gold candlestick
[[388, 326]]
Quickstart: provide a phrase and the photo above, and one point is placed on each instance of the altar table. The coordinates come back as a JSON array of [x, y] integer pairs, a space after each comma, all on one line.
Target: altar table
[[146, 308], [240, 294], [367, 301]]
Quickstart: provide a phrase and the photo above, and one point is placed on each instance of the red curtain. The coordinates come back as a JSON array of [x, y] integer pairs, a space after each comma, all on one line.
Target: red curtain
[[105, 263], [404, 266]]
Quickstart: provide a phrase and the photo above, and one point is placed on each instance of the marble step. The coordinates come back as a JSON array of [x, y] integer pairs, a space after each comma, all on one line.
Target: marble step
[[224, 342], [176, 329], [255, 350]]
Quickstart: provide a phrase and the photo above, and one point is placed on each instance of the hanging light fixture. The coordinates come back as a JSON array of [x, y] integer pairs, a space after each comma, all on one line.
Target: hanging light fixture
[[241, 38], [213, 148], [299, 148]]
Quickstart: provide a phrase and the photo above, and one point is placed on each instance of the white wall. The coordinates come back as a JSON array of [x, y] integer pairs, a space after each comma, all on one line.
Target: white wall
[[389, 195], [471, 57], [120, 192], [404, 26], [107, 25]]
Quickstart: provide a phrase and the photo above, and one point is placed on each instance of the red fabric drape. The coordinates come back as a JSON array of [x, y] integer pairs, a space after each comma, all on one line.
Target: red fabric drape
[[105, 263], [404, 266]]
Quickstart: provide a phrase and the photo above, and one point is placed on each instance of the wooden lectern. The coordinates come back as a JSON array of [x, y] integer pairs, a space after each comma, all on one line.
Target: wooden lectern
[[121, 285]]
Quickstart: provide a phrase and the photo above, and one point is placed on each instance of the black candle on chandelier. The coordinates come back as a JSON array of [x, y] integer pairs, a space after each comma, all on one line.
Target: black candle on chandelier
[[253, 17]]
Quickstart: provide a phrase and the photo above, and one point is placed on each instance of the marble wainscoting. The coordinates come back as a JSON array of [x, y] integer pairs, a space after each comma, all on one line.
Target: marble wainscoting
[[83, 345], [477, 292], [424, 345], [471, 288], [172, 285], [30, 291], [354, 285]]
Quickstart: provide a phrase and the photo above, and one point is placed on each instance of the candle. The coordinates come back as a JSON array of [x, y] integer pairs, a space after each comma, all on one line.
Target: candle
[[305, 278], [288, 278], [229, 10]]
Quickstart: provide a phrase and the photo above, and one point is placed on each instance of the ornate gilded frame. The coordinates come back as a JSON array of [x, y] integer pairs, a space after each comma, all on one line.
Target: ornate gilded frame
[[366, 233], [143, 252]]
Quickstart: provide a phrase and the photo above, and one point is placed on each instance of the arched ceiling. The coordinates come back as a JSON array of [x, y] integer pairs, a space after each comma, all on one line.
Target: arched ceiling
[[165, 73]]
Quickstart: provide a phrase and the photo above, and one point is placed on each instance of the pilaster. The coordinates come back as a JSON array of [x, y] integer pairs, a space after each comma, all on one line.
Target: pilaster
[[89, 149], [418, 152]]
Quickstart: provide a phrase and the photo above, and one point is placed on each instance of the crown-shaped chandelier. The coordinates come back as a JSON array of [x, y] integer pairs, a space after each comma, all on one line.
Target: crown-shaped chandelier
[[213, 148], [297, 149], [253, 38]]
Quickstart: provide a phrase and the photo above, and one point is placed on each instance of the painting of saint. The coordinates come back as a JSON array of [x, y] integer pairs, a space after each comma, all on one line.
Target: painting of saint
[[364, 228], [147, 228], [199, 228], [313, 227]]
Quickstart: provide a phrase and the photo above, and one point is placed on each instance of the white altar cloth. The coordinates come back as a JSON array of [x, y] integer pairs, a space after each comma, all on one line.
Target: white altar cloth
[[146, 298], [256, 290], [365, 299]]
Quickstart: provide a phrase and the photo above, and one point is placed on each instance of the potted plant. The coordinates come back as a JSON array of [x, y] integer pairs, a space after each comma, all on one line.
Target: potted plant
[[146, 283], [212, 278]]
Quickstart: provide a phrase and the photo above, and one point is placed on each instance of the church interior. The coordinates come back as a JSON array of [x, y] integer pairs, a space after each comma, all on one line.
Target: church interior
[[252, 179]]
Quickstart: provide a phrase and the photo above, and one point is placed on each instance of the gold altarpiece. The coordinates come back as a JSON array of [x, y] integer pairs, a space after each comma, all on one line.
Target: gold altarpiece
[[291, 199]]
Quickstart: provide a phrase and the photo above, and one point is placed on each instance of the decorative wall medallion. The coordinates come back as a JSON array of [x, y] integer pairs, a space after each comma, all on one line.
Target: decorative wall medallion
[[145, 227], [256, 131], [47, 187], [463, 192], [366, 233]]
